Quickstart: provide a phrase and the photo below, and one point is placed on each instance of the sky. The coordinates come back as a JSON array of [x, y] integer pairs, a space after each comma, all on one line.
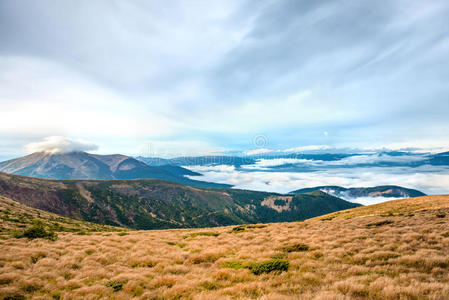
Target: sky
[[171, 78]]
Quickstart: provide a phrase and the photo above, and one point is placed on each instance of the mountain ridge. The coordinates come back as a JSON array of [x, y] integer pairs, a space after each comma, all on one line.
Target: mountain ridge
[[83, 165], [150, 204]]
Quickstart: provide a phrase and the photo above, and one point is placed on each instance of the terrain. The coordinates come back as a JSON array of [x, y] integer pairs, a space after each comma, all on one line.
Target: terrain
[[386, 191], [394, 250], [82, 165], [151, 204]]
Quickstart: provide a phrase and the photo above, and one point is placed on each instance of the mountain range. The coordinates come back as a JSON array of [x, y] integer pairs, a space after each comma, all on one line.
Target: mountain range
[[82, 165], [388, 191], [149, 204]]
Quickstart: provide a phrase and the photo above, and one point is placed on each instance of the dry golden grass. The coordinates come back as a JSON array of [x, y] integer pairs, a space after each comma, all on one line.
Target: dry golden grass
[[363, 257], [15, 217]]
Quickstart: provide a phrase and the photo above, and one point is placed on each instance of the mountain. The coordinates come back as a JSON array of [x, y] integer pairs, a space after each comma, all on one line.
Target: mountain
[[148, 204], [389, 191], [82, 165], [199, 160]]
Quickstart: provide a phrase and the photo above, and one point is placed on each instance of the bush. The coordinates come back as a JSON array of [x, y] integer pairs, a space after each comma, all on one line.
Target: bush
[[296, 248], [440, 215], [192, 235], [38, 231], [269, 266], [115, 285]]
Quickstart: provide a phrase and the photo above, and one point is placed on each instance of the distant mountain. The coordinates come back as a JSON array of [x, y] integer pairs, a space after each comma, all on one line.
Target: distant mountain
[[148, 204], [82, 165], [389, 191], [440, 159], [199, 160]]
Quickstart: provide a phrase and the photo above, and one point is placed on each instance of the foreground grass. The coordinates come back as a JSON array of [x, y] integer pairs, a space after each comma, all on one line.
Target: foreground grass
[[378, 256]]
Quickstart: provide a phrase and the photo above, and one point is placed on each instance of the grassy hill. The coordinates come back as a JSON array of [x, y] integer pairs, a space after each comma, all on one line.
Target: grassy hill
[[152, 204], [371, 255], [393, 208], [16, 217]]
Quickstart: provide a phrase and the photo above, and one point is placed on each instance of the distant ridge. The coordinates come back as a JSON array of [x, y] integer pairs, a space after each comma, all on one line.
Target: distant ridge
[[388, 191], [82, 165], [151, 204]]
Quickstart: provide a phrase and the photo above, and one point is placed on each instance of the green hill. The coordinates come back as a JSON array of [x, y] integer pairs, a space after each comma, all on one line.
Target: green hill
[[150, 204]]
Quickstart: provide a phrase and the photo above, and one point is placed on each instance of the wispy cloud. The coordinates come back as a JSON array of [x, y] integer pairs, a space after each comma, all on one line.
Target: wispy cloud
[[60, 144]]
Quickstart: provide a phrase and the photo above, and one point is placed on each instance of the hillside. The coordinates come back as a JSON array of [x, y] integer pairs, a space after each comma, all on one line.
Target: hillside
[[82, 165], [388, 191], [16, 217], [369, 256], [393, 208], [150, 204]]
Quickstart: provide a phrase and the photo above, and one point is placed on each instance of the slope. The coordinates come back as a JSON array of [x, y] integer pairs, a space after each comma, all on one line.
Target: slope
[[149, 204], [403, 256]]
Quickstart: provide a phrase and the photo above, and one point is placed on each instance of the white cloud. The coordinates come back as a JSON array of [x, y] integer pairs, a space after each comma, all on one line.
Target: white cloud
[[264, 163], [59, 144], [428, 179], [259, 151], [308, 148]]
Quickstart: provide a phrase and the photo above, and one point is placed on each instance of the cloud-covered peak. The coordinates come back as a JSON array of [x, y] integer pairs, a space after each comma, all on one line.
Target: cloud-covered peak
[[59, 144]]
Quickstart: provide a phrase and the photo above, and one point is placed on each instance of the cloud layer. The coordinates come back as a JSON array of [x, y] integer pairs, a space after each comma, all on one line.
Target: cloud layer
[[59, 144]]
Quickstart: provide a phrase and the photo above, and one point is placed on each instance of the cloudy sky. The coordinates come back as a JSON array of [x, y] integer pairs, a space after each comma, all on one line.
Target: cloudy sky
[[194, 77]]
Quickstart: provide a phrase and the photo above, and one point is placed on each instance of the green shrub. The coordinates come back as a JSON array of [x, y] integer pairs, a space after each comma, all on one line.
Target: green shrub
[[238, 229], [37, 231], [269, 266], [195, 234], [296, 248], [115, 285], [123, 233], [440, 215], [180, 245]]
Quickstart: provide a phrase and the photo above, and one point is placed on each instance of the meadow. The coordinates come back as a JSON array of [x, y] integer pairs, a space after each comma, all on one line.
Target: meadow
[[396, 250]]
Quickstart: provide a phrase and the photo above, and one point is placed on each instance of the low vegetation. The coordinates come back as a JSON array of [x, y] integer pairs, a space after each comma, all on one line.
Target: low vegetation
[[341, 258]]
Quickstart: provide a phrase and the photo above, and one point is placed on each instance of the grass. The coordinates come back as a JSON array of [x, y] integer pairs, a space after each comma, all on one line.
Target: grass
[[195, 234], [342, 258]]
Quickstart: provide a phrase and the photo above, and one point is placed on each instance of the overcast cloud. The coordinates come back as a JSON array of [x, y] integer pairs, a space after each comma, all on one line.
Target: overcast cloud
[[214, 74]]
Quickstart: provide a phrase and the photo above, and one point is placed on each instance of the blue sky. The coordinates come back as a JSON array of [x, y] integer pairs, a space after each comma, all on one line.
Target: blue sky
[[201, 77]]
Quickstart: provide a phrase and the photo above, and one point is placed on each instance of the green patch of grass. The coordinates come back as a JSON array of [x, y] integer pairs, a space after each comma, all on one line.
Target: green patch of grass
[[123, 233], [440, 215], [234, 264], [180, 245], [195, 234], [279, 256], [295, 248], [446, 234], [258, 268], [115, 285], [269, 266], [242, 228]]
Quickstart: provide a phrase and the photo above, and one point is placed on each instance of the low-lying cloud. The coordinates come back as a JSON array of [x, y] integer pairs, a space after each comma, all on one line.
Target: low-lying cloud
[[60, 144], [428, 179]]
